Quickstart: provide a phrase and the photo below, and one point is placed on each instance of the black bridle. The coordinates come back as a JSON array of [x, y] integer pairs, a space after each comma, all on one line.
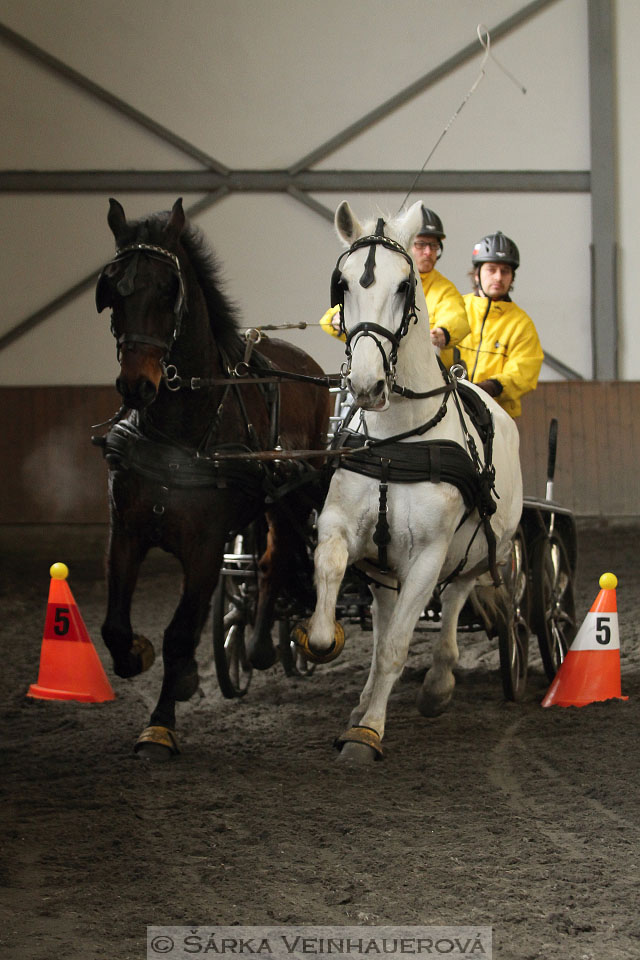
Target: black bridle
[[375, 330], [126, 286]]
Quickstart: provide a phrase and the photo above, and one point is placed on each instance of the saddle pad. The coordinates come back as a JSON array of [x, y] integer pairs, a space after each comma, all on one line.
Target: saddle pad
[[438, 461], [126, 448]]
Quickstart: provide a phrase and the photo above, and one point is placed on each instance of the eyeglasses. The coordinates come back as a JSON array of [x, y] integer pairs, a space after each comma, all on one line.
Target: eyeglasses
[[427, 244]]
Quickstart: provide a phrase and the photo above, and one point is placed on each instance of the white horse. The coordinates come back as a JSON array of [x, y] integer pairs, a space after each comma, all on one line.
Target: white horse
[[431, 530]]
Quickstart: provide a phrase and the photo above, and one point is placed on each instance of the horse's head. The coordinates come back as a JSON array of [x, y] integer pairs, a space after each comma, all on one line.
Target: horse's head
[[145, 289], [375, 284]]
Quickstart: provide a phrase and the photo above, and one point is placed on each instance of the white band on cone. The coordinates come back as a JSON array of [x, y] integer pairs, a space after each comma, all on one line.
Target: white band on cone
[[599, 631]]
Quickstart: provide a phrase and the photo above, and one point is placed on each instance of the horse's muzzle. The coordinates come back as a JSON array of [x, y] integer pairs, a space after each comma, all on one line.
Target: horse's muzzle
[[377, 398], [138, 395]]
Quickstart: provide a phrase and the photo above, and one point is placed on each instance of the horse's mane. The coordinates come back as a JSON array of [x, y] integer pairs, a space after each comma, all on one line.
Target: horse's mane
[[223, 313]]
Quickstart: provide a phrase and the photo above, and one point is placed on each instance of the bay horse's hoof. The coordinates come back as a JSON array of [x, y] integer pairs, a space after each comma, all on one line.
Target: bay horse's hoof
[[300, 634], [432, 705], [263, 656], [359, 745], [157, 743], [143, 650]]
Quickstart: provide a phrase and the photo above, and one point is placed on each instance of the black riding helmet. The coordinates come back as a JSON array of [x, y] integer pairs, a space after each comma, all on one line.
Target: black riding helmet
[[496, 248], [431, 227]]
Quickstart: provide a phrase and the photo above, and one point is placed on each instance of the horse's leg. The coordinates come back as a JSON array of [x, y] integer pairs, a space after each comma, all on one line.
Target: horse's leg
[[284, 567], [330, 558], [438, 685], [382, 606], [362, 743], [131, 653], [260, 648], [180, 679]]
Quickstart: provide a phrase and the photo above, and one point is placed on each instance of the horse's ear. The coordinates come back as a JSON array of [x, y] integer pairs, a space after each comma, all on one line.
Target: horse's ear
[[116, 219], [347, 225], [175, 223], [407, 226]]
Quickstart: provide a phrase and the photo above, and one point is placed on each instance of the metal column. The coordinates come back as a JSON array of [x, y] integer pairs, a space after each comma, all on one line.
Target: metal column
[[604, 299]]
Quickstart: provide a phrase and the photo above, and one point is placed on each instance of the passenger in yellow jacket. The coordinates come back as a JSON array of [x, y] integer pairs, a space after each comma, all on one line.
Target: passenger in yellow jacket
[[447, 314], [502, 353]]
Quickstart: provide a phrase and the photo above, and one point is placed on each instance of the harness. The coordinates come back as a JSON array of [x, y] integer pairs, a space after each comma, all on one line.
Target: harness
[[125, 287], [437, 461]]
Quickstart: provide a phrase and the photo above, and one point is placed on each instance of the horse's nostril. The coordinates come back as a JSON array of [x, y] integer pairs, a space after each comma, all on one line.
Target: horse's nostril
[[379, 387], [146, 392]]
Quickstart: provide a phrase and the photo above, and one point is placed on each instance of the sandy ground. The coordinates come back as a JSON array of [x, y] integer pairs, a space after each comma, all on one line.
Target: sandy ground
[[496, 813]]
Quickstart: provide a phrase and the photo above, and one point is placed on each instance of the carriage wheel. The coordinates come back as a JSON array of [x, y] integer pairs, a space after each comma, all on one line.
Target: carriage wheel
[[513, 622], [294, 663], [553, 616], [234, 604]]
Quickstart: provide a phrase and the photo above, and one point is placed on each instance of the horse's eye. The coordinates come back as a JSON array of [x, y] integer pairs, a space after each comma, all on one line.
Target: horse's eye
[[343, 284], [403, 287]]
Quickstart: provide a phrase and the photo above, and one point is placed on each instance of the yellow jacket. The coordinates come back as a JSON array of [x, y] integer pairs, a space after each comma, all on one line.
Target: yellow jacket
[[503, 345], [446, 309]]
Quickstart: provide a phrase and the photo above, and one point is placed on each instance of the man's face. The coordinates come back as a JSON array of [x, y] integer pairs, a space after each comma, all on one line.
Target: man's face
[[425, 251], [496, 279]]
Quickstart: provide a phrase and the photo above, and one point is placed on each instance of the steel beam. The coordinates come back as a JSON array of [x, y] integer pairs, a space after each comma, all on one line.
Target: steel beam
[[35, 319], [604, 302], [417, 87], [278, 181], [79, 80]]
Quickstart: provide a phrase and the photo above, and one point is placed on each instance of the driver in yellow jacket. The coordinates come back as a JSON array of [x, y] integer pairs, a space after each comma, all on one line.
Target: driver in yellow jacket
[[447, 314], [502, 353]]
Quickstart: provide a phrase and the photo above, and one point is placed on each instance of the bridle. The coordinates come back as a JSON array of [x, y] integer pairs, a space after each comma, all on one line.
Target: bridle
[[375, 330], [125, 288]]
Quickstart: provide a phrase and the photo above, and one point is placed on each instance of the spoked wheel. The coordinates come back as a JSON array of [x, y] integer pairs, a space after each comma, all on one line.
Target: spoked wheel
[[553, 612], [513, 622], [294, 663], [234, 605]]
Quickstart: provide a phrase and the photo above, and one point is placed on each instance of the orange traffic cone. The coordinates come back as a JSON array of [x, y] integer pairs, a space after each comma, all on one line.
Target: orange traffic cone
[[590, 671], [70, 668]]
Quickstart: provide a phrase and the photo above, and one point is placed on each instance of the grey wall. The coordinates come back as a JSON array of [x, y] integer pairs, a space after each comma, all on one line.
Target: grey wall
[[259, 83]]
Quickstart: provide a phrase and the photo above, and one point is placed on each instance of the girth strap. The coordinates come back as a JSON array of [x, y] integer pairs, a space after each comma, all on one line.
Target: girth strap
[[382, 533]]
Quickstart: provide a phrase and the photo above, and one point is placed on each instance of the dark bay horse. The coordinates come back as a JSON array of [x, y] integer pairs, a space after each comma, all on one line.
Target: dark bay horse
[[177, 342]]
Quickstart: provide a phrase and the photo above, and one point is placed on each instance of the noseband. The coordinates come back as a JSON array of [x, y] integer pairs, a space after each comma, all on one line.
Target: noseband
[[125, 287], [375, 330]]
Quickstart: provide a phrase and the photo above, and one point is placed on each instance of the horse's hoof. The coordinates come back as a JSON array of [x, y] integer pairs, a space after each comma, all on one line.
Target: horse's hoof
[[157, 743], [300, 634], [264, 657], [432, 705], [154, 752], [359, 744], [142, 650], [187, 683], [357, 753]]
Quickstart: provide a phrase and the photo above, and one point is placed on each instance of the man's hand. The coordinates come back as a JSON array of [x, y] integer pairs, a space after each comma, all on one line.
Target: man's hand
[[439, 338], [492, 387]]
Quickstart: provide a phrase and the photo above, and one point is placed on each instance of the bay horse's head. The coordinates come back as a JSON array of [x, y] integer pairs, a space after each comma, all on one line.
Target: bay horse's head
[[375, 285], [145, 288]]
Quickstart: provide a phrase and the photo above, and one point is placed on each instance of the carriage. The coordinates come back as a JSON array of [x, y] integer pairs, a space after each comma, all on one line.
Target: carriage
[[538, 598], [216, 456]]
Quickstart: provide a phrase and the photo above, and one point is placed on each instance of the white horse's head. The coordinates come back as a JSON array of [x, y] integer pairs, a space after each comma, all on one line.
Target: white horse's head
[[375, 282]]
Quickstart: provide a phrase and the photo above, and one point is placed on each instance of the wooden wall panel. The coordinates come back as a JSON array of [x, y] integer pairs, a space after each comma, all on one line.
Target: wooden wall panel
[[51, 473], [598, 445]]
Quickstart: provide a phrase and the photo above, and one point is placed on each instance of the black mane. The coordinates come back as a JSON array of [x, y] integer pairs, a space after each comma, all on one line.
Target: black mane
[[223, 313]]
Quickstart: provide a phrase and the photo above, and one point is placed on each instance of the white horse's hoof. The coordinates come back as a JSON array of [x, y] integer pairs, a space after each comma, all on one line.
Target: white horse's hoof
[[358, 753], [432, 704], [300, 635], [359, 744]]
